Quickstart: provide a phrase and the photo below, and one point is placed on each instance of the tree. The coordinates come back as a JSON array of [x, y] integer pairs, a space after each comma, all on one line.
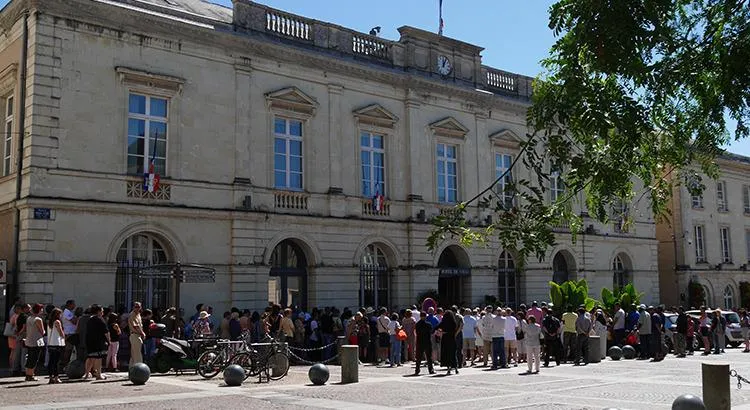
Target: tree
[[632, 90]]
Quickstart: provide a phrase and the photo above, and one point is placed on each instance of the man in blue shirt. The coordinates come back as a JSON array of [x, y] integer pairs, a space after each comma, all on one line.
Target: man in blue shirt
[[632, 320]]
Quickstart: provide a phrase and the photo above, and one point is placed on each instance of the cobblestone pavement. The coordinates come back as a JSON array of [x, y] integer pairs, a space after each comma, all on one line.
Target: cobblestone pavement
[[625, 384]]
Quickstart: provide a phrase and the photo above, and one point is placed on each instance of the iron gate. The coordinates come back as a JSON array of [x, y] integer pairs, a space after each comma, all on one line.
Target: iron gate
[[374, 284], [153, 291]]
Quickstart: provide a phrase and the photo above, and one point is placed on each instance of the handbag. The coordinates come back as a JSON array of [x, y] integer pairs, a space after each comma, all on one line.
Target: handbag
[[401, 335], [9, 331]]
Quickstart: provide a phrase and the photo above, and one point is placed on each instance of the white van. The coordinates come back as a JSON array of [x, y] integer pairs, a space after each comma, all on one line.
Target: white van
[[733, 332]]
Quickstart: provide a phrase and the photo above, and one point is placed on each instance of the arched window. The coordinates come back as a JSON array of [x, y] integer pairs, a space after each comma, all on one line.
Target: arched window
[[621, 271], [507, 279], [560, 272], [137, 252], [728, 298], [374, 278]]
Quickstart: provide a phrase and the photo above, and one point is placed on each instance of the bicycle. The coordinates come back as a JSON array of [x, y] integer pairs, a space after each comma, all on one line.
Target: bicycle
[[273, 364], [213, 361]]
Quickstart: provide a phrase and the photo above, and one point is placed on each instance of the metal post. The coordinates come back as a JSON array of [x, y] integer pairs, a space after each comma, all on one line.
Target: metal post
[[716, 394]]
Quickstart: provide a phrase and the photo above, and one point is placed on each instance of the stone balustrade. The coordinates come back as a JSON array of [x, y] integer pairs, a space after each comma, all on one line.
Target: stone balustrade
[[290, 200], [368, 208], [257, 17]]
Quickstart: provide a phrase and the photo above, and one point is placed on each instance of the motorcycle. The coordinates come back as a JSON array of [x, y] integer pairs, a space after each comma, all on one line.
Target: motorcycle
[[171, 353]]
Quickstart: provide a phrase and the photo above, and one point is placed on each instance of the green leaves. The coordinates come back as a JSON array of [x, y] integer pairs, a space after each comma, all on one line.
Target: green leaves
[[570, 295], [633, 91]]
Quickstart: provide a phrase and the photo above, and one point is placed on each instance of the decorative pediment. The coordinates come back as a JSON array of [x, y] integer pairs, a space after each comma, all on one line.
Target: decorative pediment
[[506, 138], [375, 114], [449, 127], [292, 99], [142, 78]]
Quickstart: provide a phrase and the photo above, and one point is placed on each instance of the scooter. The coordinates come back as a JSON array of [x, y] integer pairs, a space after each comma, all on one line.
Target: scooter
[[171, 353]]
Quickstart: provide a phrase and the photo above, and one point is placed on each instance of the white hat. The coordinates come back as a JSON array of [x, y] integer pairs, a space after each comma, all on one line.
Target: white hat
[[203, 314]]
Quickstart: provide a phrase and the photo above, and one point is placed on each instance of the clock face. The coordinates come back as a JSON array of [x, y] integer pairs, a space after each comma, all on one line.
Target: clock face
[[444, 66]]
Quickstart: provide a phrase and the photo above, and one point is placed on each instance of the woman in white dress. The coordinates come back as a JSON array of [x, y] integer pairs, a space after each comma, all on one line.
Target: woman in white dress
[[600, 328]]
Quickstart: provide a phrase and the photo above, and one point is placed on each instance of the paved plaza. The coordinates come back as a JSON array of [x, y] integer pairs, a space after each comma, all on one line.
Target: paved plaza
[[626, 384]]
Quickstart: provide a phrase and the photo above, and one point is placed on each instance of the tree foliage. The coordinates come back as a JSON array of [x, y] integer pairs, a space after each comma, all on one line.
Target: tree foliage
[[570, 295], [632, 90], [625, 296]]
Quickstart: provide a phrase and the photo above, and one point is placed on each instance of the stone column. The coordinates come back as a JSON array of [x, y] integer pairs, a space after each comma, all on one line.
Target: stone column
[[416, 152], [349, 364], [716, 394], [595, 347]]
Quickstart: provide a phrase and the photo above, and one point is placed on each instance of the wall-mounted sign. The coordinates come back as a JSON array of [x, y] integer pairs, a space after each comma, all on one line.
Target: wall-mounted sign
[[42, 213], [3, 270], [451, 272]]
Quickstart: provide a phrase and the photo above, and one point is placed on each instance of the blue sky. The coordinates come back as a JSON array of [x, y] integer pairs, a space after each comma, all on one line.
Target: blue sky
[[514, 33]]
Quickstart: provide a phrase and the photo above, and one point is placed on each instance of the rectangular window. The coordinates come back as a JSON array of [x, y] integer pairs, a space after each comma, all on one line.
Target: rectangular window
[[556, 184], [746, 198], [747, 244], [700, 245], [287, 154], [147, 133], [372, 156], [502, 166], [447, 173], [697, 201], [8, 136], [721, 196], [726, 245]]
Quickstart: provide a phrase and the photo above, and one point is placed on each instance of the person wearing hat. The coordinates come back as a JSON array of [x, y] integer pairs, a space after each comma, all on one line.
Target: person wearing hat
[[644, 331], [202, 326]]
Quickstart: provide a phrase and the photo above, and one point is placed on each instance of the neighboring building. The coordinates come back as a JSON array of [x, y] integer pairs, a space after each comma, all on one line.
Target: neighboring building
[[706, 239], [300, 159]]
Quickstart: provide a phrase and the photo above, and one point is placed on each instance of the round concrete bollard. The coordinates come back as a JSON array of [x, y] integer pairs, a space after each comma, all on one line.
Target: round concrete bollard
[[688, 402], [615, 353], [76, 369], [139, 373], [318, 374], [234, 375], [628, 352]]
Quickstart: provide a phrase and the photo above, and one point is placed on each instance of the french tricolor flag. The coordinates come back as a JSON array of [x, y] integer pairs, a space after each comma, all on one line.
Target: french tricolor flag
[[377, 202], [151, 179]]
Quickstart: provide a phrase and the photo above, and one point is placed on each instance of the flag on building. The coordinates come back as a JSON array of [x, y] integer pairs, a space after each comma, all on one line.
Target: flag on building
[[440, 29], [377, 202], [151, 178]]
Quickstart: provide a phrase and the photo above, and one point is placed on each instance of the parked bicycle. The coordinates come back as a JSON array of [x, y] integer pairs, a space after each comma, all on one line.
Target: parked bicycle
[[213, 361], [269, 360]]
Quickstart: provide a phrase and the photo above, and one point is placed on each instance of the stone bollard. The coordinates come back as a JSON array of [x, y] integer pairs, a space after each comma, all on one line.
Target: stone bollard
[[595, 349], [349, 364], [716, 394], [340, 341]]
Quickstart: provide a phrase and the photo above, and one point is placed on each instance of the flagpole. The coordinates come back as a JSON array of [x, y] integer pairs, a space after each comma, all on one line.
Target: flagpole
[[440, 20]]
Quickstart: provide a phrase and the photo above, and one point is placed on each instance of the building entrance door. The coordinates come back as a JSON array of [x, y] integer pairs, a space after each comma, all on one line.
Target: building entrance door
[[454, 278]]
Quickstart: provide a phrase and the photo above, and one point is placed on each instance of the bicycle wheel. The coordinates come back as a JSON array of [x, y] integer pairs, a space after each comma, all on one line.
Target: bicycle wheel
[[210, 364], [248, 361], [277, 365]]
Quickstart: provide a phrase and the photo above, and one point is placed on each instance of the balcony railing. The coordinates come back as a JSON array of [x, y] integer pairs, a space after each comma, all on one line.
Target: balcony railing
[[369, 209], [370, 46], [288, 25], [501, 80], [290, 200]]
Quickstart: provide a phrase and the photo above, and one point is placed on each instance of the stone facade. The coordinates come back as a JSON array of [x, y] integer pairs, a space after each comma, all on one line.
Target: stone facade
[[706, 240], [261, 174]]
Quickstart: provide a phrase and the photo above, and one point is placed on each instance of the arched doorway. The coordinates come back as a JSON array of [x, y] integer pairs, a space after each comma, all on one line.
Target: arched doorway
[[728, 298], [507, 279], [454, 278], [621, 271], [563, 267], [137, 252], [374, 278], [287, 285]]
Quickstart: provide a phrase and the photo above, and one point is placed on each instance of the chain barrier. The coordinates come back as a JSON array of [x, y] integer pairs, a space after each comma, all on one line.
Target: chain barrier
[[303, 361], [740, 379], [312, 349]]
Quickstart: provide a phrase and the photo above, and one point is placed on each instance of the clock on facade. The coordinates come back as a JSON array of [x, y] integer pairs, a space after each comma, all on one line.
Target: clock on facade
[[444, 66]]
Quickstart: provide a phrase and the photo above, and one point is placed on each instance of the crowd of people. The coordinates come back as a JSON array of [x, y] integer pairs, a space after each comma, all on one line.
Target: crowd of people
[[454, 338]]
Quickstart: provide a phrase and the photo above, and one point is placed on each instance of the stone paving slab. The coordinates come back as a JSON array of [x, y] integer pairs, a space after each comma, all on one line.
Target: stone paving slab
[[625, 384]]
